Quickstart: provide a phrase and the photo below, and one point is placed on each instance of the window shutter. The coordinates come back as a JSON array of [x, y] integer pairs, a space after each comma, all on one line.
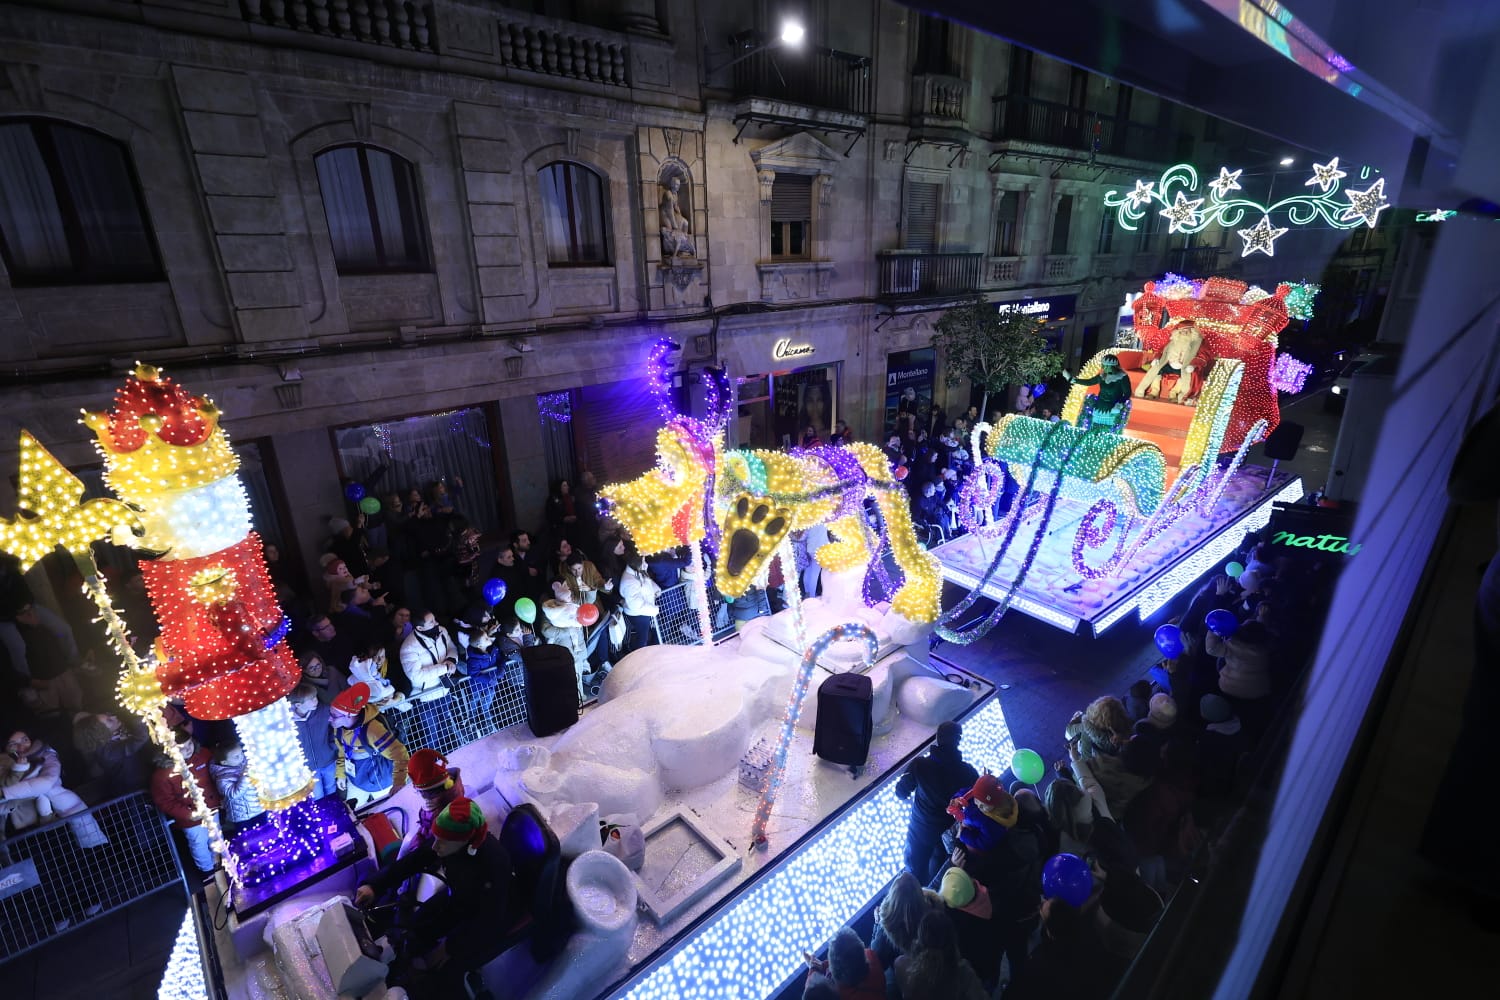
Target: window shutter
[[791, 198], [921, 215]]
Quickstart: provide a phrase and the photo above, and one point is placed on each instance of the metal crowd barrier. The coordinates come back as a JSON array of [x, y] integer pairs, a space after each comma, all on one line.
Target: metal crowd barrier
[[471, 709], [56, 877], [676, 621]]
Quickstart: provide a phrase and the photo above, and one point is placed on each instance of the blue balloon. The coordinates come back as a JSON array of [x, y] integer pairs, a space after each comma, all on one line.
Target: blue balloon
[[354, 492], [1222, 622], [494, 591], [1039, 389], [1067, 877], [1169, 641]]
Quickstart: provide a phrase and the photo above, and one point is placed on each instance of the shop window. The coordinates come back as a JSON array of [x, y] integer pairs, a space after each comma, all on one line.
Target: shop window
[[791, 217], [70, 208], [920, 216], [1007, 225], [574, 215], [374, 211], [413, 453], [1062, 224], [1106, 233]]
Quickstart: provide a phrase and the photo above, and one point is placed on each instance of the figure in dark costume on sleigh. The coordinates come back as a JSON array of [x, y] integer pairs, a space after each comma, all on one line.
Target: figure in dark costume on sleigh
[[1111, 407]]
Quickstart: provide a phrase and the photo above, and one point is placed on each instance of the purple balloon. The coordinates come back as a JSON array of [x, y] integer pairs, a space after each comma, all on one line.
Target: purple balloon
[[1067, 877], [1222, 622]]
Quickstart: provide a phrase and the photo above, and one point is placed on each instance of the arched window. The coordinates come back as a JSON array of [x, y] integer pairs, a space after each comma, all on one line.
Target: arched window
[[70, 208], [374, 211], [574, 215]]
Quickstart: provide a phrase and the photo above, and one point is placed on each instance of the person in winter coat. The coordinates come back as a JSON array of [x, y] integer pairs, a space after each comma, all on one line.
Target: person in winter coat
[[231, 774], [853, 970], [171, 797], [968, 905], [1159, 820], [324, 680], [116, 752], [362, 738], [1069, 964], [439, 784], [899, 915], [561, 627], [932, 781], [37, 774], [315, 733], [935, 970], [369, 666], [1142, 754], [458, 930], [638, 592], [1245, 667], [1101, 729], [428, 655]]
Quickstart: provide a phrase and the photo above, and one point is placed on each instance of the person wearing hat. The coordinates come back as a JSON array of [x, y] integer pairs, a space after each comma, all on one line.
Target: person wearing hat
[[1114, 393], [362, 737], [971, 911], [438, 784], [1143, 753], [931, 782], [1219, 745], [457, 932]]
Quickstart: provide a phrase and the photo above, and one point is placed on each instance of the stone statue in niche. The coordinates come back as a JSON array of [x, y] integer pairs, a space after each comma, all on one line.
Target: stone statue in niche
[[676, 228]]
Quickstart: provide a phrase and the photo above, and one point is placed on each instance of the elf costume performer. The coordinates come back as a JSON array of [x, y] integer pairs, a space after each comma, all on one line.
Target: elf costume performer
[[438, 784], [1110, 408], [360, 735]]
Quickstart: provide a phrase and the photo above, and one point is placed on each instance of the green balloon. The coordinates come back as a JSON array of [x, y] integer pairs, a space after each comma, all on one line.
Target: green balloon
[[1234, 570], [1027, 765], [370, 505], [526, 610]]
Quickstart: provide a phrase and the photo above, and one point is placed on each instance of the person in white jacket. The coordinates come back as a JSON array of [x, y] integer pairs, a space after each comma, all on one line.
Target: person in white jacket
[[562, 628], [369, 666], [38, 774], [428, 655], [638, 592]]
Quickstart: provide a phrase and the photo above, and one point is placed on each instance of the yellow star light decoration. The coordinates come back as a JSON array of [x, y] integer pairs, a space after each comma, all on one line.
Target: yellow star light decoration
[[1366, 204], [1182, 213], [52, 511], [1325, 175], [1260, 238]]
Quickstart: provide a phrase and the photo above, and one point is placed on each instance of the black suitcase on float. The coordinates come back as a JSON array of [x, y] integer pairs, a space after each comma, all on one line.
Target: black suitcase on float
[[845, 722], [551, 688]]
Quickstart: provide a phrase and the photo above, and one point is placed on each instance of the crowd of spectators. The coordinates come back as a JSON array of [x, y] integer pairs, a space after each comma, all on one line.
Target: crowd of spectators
[[1151, 777]]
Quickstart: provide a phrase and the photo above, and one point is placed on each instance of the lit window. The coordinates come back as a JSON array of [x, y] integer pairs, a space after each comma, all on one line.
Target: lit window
[[374, 212], [573, 214], [70, 208]]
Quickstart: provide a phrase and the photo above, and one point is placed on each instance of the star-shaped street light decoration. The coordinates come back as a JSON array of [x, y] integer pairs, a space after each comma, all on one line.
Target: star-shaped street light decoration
[[1142, 194], [1182, 213], [1226, 182], [1366, 204], [1260, 238], [1436, 215], [1325, 175], [53, 512]]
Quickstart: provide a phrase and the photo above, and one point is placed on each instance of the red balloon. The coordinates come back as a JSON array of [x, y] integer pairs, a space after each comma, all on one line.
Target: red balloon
[[588, 614], [900, 472]]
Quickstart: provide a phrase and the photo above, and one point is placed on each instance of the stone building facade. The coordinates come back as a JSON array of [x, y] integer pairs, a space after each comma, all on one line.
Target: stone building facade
[[543, 194]]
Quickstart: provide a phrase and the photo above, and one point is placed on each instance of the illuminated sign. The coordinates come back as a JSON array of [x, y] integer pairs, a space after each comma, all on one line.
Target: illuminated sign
[[1338, 544], [785, 349], [1043, 309]]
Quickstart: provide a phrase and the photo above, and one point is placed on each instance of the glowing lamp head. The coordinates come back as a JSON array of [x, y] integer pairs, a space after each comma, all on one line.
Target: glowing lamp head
[[792, 33]]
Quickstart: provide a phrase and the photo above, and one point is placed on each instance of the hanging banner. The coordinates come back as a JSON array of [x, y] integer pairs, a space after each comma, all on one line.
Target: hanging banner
[[908, 387]]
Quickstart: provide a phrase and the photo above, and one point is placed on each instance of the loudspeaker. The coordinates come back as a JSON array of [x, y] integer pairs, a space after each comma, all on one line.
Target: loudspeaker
[[1283, 442]]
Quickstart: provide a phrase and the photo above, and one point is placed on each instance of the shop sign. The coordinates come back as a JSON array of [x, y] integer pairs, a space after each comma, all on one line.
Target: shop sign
[[15, 879], [1044, 310], [1338, 544], [785, 349]]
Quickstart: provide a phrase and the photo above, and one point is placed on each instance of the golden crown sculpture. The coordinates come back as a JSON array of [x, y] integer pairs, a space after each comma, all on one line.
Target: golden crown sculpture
[[160, 438]]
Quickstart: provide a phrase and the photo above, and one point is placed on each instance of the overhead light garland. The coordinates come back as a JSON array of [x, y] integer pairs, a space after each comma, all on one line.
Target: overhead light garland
[[1168, 196]]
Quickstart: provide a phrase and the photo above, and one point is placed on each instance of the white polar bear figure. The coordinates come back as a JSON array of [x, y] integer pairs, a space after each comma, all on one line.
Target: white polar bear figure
[[677, 717]]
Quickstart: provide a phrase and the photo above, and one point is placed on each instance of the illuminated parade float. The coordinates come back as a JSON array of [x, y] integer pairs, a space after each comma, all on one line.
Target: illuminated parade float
[[1122, 506]]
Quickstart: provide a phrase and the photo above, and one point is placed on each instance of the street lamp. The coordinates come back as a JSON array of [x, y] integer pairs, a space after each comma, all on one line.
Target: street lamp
[[792, 36], [1287, 161]]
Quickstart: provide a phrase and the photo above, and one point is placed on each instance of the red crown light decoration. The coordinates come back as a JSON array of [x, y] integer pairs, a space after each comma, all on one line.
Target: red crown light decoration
[[1231, 328]]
